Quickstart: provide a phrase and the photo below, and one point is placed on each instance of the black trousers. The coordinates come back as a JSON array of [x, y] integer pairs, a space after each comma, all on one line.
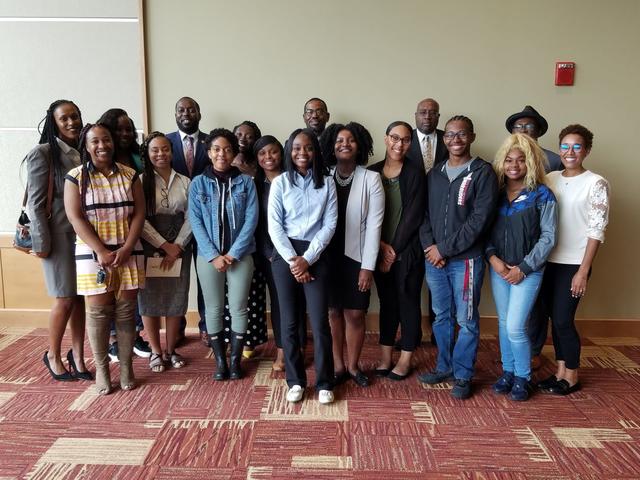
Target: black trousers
[[562, 306], [265, 264], [399, 292], [538, 326], [317, 299]]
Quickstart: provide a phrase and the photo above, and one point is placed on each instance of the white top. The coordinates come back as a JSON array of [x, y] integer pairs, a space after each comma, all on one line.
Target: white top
[[301, 212], [583, 207], [170, 199]]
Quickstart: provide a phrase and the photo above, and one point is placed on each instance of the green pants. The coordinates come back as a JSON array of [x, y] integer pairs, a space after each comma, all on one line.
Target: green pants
[[238, 277]]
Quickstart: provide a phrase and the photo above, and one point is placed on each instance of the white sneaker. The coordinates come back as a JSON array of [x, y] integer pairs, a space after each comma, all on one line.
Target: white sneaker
[[295, 394], [325, 396]]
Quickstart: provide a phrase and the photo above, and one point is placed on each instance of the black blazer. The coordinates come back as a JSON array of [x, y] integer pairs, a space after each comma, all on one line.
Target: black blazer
[[179, 164], [406, 241], [414, 155]]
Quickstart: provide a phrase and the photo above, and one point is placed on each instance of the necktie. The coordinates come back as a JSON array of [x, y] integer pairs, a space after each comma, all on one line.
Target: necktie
[[427, 156], [188, 144]]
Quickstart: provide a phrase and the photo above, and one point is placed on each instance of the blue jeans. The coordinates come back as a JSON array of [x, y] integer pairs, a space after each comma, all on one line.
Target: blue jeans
[[453, 303], [514, 304]]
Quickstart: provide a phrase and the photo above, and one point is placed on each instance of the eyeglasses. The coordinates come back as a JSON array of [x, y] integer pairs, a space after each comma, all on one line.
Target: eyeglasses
[[317, 111], [403, 140], [524, 126], [428, 113], [462, 135], [565, 147], [164, 197]]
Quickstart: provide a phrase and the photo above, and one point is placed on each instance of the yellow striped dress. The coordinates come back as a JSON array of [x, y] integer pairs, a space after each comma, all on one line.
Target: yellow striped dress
[[110, 206]]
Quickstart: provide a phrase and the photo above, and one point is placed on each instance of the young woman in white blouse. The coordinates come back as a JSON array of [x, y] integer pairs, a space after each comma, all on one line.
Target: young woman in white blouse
[[302, 217], [167, 235], [583, 201]]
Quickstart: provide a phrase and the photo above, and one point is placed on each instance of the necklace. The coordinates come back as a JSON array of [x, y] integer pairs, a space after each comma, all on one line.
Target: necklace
[[343, 182]]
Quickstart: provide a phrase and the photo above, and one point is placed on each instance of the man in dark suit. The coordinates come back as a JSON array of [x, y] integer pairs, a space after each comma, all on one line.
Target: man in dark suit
[[190, 159], [427, 147], [186, 161], [316, 115]]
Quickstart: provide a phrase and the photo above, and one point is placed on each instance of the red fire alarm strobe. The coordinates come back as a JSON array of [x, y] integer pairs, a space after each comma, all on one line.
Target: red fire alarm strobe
[[564, 73]]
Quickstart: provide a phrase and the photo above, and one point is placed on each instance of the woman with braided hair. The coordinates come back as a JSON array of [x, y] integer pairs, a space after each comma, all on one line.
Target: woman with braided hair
[[53, 236], [166, 234], [105, 204]]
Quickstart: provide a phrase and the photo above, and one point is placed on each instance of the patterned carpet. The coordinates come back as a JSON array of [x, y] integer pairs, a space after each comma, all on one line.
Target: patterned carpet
[[182, 425]]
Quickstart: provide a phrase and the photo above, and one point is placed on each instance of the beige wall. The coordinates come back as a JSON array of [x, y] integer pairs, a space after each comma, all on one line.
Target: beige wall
[[87, 51], [373, 60]]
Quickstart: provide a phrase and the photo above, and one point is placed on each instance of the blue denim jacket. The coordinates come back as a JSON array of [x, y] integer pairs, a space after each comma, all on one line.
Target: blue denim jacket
[[241, 209]]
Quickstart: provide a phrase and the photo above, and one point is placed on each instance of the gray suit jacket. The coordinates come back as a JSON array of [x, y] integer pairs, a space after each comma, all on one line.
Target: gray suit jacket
[[38, 161]]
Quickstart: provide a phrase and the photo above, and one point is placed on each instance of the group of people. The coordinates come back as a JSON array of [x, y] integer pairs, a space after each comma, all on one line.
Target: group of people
[[313, 225]]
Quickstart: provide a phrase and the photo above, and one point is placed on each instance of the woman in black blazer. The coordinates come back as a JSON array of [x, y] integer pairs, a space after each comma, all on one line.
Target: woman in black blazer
[[400, 268]]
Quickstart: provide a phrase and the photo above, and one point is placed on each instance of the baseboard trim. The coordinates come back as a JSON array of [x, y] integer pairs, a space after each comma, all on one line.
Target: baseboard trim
[[596, 327]]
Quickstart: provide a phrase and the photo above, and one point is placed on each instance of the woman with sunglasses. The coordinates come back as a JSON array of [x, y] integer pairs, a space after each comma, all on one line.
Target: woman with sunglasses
[[167, 235], [583, 199], [400, 268]]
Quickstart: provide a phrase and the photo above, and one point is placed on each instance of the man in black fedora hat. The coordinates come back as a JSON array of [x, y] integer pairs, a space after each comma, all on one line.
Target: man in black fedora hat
[[529, 121]]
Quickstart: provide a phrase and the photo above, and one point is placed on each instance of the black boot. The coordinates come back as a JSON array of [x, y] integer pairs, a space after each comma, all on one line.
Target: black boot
[[237, 345], [216, 342]]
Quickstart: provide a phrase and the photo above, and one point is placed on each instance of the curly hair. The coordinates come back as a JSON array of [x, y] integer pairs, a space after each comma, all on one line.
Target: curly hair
[[149, 178], [360, 134], [577, 129], [535, 160], [224, 133], [318, 167]]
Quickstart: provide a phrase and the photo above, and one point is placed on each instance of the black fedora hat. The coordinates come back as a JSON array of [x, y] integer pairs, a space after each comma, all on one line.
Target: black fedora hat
[[530, 112]]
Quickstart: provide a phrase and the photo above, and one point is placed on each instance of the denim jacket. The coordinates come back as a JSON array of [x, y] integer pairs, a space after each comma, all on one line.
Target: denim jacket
[[241, 209]]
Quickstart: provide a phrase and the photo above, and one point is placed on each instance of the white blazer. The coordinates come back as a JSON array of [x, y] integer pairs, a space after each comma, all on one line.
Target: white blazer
[[365, 212]]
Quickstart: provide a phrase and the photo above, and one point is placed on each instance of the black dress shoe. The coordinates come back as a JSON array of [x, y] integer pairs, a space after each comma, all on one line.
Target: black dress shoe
[[360, 378], [62, 377], [397, 377], [562, 387], [86, 375], [547, 383], [382, 372]]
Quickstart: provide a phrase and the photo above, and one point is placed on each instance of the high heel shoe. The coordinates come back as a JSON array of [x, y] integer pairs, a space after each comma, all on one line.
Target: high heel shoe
[[62, 377], [86, 375]]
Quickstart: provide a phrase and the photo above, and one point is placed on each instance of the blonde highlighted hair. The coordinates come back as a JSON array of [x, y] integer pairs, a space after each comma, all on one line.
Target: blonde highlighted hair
[[535, 159]]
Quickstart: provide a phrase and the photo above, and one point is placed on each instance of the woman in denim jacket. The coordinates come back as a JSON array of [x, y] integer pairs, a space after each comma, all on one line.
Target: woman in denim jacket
[[223, 211]]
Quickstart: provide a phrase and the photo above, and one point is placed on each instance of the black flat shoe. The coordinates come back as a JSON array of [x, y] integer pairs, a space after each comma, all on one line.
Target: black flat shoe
[[360, 378], [397, 377], [63, 377], [562, 387], [547, 383], [382, 372], [86, 375], [340, 377]]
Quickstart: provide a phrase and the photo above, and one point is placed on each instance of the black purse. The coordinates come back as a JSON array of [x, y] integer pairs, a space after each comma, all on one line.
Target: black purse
[[22, 239]]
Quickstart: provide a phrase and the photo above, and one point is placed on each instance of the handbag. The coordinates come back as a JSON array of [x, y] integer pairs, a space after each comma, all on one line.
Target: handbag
[[22, 239]]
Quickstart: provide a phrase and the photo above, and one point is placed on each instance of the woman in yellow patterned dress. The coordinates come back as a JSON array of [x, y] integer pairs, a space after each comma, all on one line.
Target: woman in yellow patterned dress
[[105, 204]]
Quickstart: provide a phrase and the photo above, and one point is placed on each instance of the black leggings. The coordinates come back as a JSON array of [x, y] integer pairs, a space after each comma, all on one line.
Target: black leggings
[[561, 307]]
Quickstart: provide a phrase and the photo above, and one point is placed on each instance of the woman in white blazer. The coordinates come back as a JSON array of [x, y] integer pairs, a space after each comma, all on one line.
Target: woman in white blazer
[[354, 248]]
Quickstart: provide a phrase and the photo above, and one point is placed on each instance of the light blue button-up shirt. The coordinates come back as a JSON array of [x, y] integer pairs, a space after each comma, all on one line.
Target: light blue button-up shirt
[[301, 212]]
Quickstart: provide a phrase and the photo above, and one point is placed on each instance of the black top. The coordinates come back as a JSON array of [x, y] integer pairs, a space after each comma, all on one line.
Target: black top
[[337, 242], [264, 245]]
